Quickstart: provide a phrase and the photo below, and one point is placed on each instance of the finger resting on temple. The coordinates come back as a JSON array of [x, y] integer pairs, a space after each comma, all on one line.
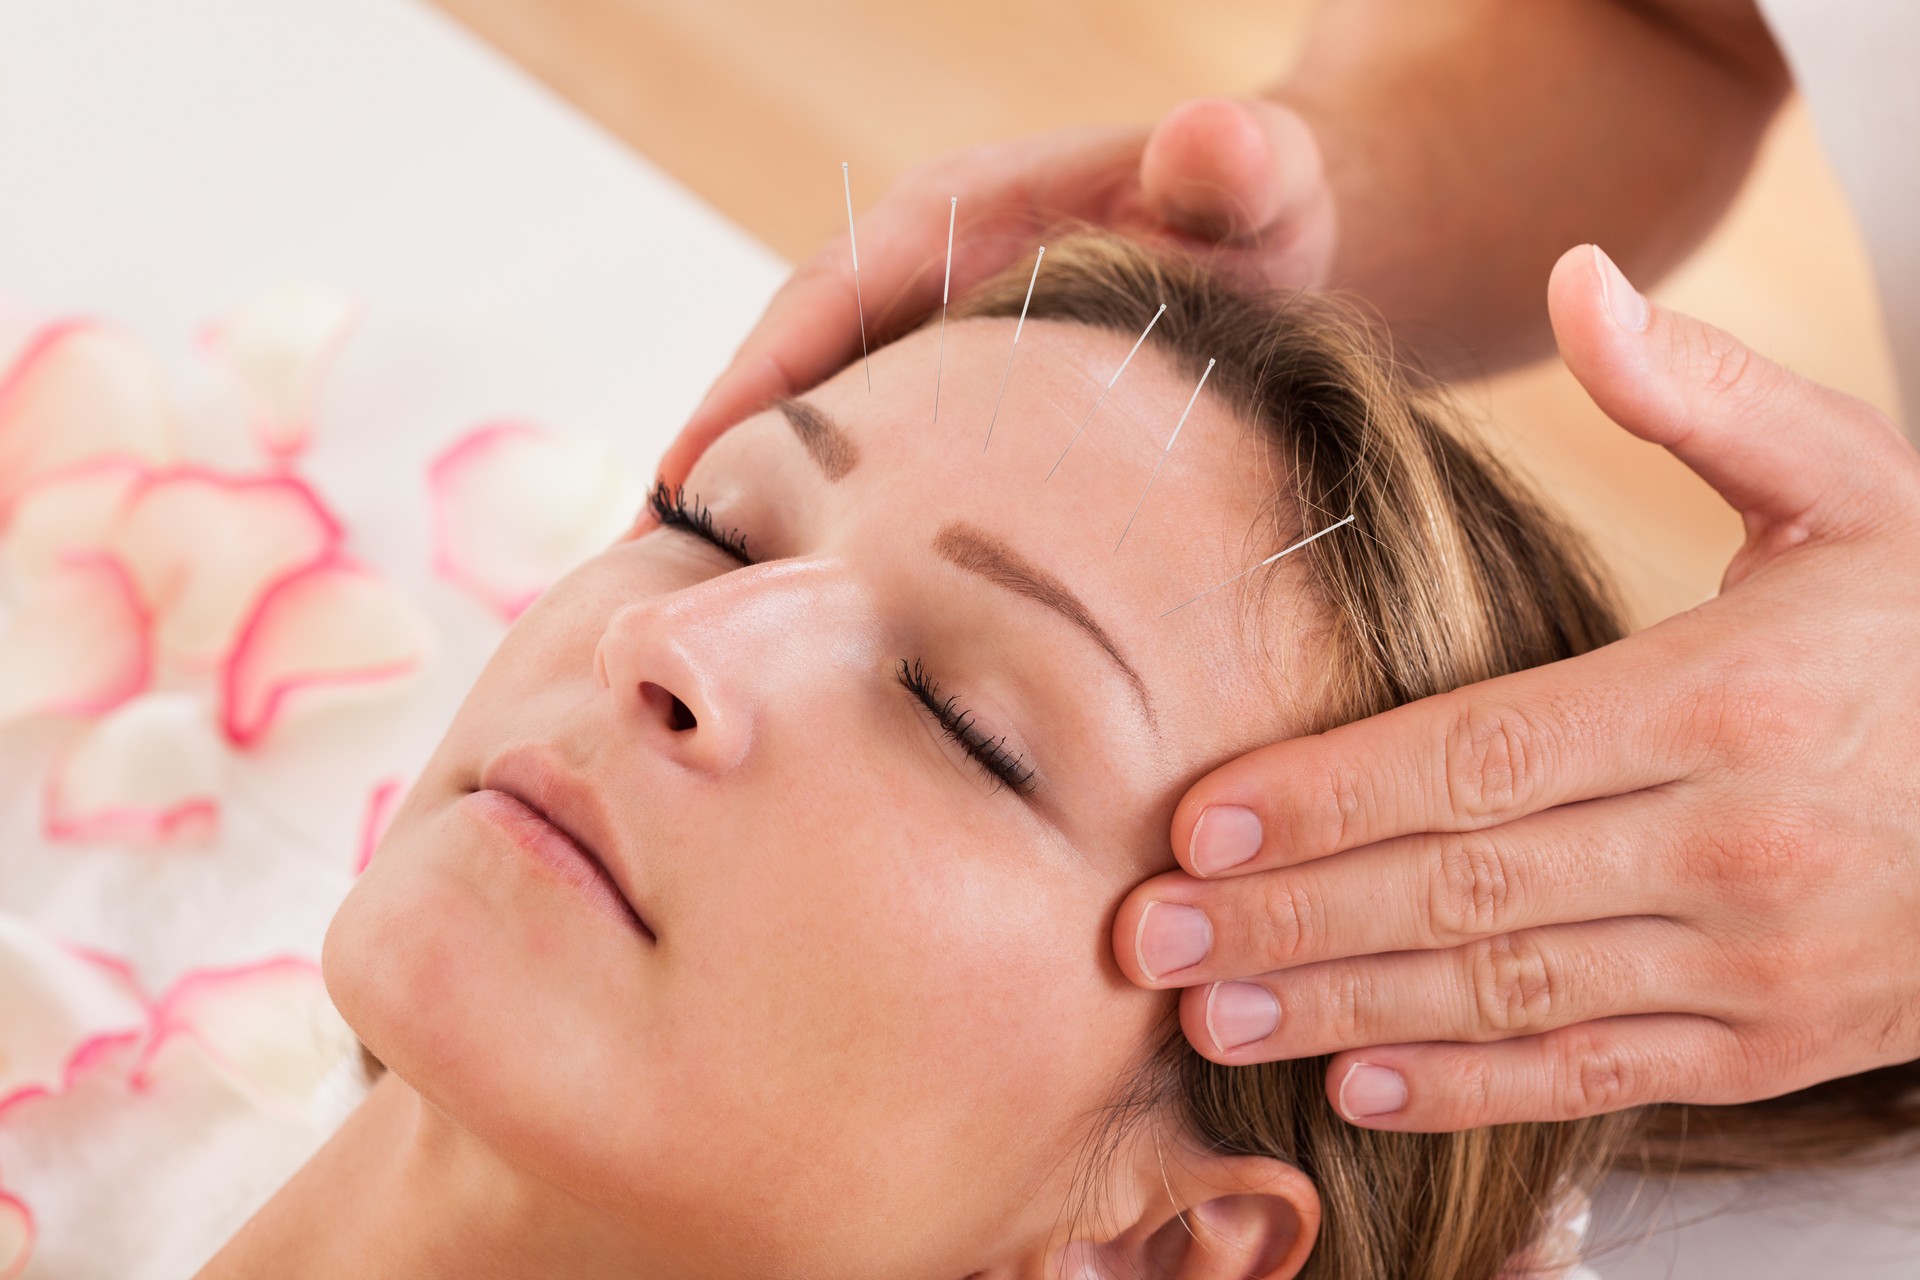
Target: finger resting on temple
[[1606, 723], [1592, 860], [1587, 1069], [1514, 985]]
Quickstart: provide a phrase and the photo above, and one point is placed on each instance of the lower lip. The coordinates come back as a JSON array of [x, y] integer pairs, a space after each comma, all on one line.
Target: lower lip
[[554, 850]]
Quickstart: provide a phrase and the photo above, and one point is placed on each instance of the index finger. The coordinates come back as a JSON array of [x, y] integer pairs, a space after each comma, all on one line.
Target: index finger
[[1603, 723]]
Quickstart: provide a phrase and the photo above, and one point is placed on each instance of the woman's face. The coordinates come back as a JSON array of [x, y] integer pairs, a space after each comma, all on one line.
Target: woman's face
[[872, 1012]]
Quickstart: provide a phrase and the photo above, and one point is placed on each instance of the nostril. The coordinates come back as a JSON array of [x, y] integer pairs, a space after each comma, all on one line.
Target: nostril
[[678, 715]]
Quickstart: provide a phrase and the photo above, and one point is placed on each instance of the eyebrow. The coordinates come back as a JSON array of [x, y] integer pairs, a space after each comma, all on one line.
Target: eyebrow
[[826, 441], [980, 553]]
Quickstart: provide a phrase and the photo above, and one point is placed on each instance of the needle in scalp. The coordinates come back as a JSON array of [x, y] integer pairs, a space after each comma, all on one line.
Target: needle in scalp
[[1103, 391], [953, 208], [1285, 551], [1015, 347], [1161, 461], [847, 183]]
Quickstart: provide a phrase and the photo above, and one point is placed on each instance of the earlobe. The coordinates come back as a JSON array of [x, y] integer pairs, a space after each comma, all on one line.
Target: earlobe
[[1199, 1215]]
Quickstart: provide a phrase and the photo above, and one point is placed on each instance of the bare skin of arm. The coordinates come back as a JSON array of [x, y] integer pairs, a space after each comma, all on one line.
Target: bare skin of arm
[[1468, 144]]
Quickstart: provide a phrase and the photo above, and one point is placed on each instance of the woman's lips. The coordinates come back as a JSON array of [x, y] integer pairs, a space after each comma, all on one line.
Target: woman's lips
[[562, 855]]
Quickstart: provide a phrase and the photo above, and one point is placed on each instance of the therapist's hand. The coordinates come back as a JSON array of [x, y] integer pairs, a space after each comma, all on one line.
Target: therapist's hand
[[1681, 868], [1241, 180]]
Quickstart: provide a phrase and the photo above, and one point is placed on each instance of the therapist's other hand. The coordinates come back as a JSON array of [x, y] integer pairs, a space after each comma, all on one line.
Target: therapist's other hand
[[1681, 868], [1238, 178]]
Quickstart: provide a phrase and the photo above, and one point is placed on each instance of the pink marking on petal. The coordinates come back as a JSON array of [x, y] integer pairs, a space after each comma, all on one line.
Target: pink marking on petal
[[68, 509], [379, 815], [68, 1008], [82, 645], [332, 625], [16, 1235], [204, 544], [147, 773], [78, 390], [279, 349], [514, 507], [268, 1027]]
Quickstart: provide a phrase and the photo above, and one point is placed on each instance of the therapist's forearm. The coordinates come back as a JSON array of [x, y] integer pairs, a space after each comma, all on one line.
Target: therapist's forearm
[[1468, 143]]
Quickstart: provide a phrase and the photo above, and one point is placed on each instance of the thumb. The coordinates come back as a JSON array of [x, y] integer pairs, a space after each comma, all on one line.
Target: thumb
[[1231, 169], [1781, 450]]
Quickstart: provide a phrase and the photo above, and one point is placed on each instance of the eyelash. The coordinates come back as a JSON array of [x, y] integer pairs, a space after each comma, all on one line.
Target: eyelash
[[990, 753], [672, 506], [675, 509]]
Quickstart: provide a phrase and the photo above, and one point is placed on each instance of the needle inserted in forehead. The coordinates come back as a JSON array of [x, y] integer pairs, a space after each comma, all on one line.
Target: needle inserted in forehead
[[953, 208], [847, 183], [1015, 347], [1287, 551], [1103, 391], [1155, 473]]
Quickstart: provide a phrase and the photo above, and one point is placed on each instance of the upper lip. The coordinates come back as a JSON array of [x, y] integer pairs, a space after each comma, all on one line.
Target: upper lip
[[536, 776]]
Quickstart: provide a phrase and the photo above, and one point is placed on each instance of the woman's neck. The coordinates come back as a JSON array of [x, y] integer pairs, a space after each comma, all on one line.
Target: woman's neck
[[400, 1189]]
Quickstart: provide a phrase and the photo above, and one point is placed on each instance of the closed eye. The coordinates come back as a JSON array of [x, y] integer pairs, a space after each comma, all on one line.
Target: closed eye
[[675, 508], [991, 754]]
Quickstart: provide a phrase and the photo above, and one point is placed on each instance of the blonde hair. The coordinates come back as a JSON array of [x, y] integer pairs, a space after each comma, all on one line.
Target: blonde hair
[[1455, 573]]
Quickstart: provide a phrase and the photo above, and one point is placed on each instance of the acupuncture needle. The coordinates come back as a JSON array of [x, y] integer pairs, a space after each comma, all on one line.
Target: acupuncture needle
[[1015, 347], [847, 183], [1161, 461], [1269, 560], [953, 208], [1103, 391]]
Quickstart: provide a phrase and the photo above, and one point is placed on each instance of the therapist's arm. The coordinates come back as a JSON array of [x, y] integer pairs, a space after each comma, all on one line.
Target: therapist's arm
[[1468, 144], [1434, 157]]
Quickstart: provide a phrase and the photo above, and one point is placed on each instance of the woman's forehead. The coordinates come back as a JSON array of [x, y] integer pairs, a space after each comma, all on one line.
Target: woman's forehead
[[1078, 479]]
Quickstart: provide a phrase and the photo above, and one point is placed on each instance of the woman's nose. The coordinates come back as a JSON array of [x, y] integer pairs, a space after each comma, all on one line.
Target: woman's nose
[[698, 670], [673, 693]]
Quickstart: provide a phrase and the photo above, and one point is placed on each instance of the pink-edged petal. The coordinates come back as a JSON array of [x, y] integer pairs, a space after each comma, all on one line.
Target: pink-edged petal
[[66, 1008], [80, 646], [67, 510], [149, 772], [279, 348], [381, 802], [516, 506], [16, 1235], [78, 391], [204, 544], [332, 630], [268, 1028]]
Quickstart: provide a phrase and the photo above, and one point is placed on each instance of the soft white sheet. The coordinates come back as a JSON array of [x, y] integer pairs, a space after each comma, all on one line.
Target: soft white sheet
[[162, 161]]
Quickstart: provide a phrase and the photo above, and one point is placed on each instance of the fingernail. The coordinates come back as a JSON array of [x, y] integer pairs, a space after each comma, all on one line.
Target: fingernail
[[1225, 836], [1628, 307], [1239, 1013], [1171, 937], [1370, 1091]]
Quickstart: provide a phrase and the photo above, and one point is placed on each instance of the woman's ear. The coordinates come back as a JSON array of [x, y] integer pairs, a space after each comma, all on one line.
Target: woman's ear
[[1179, 1213]]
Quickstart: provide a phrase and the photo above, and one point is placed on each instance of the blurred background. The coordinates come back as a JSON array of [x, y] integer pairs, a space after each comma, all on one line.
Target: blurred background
[[757, 127]]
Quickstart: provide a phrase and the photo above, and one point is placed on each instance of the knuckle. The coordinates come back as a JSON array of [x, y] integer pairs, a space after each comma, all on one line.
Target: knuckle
[[1729, 362], [1350, 1005], [1470, 890], [1516, 988], [1591, 1077], [1759, 864], [1744, 709], [1328, 813], [1288, 930], [1492, 757]]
